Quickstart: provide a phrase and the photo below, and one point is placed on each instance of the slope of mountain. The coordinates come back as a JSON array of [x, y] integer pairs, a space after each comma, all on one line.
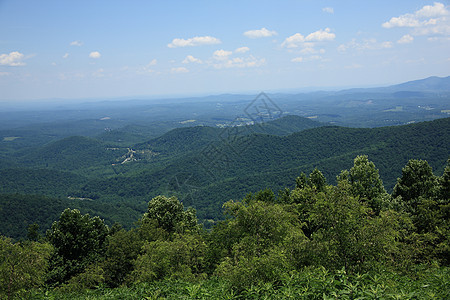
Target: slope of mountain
[[223, 170], [182, 140], [431, 84], [39, 181], [18, 211], [72, 153]]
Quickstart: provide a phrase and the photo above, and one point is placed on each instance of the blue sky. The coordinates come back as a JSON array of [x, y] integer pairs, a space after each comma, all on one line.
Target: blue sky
[[109, 49]]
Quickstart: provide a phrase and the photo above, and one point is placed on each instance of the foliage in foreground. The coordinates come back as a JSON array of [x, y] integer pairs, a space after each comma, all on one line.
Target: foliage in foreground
[[348, 241], [310, 283]]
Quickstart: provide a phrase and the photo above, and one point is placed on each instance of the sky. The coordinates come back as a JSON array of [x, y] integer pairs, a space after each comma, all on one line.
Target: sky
[[110, 49]]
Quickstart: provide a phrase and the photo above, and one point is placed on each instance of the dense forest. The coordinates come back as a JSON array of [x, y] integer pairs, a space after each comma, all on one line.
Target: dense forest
[[202, 166], [347, 240]]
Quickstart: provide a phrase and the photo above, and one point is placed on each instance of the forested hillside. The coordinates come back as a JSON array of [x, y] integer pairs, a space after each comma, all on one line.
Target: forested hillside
[[205, 167], [226, 170]]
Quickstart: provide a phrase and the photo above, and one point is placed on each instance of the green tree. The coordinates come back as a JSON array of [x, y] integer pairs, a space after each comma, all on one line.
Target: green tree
[[301, 181], [444, 183], [172, 244], [182, 257], [417, 180], [33, 232], [251, 245], [22, 266], [317, 180], [346, 235], [365, 182], [123, 249], [79, 240], [169, 214]]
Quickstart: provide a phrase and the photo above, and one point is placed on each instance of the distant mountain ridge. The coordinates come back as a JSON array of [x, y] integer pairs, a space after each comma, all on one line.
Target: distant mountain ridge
[[430, 84], [194, 138]]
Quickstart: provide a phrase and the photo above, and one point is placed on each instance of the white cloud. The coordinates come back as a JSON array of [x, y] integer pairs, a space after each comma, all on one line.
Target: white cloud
[[242, 50], [320, 36], [76, 43], [4, 73], [305, 59], [239, 62], [366, 44], [443, 28], [147, 68], [222, 54], [407, 20], [298, 39], [179, 70], [260, 33], [66, 55], [13, 59], [438, 39], [310, 50], [386, 45], [195, 41], [428, 11], [406, 39], [293, 41], [329, 10], [95, 54], [429, 20], [191, 59]]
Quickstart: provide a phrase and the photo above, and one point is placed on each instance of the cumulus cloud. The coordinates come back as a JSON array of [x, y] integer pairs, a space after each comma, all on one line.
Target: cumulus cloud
[[297, 59], [95, 54], [76, 43], [293, 41], [195, 41], [66, 55], [191, 59], [406, 39], [428, 11], [298, 39], [402, 21], [429, 20], [222, 54], [260, 33], [443, 28], [242, 50], [320, 36], [13, 59], [179, 70], [329, 10]]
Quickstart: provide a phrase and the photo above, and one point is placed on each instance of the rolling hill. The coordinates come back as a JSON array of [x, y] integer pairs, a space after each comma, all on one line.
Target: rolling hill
[[224, 169]]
